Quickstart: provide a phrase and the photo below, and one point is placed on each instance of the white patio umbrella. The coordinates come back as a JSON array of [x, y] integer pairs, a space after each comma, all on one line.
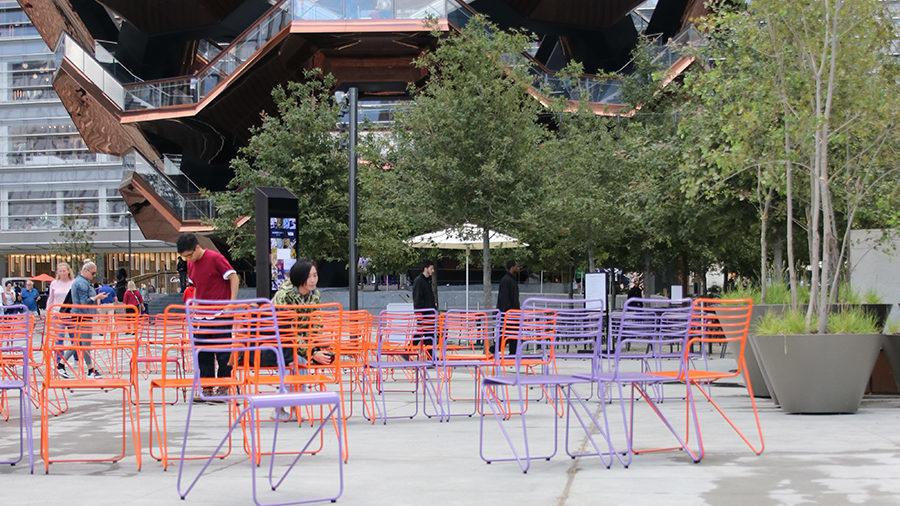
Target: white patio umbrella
[[465, 237]]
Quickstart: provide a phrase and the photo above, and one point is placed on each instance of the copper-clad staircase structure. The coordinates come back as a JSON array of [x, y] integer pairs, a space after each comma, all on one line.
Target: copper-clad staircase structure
[[173, 85]]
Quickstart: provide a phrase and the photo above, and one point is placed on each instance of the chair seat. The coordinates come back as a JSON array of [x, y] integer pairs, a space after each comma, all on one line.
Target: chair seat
[[401, 364], [695, 375], [628, 377], [90, 383], [11, 384], [157, 358], [189, 382], [294, 399], [461, 357], [538, 379], [292, 379]]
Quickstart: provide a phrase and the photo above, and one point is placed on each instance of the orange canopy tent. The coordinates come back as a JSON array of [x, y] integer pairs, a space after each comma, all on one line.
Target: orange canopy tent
[[42, 277]]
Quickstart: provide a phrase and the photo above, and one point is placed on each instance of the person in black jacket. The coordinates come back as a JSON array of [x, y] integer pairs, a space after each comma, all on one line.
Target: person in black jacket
[[508, 295], [423, 298]]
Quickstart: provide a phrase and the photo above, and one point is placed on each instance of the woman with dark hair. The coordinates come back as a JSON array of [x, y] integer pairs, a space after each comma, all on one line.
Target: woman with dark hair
[[299, 289], [121, 283]]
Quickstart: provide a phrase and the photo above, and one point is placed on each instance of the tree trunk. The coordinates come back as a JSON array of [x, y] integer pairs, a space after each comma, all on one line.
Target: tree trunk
[[486, 267], [763, 245], [789, 195], [813, 230]]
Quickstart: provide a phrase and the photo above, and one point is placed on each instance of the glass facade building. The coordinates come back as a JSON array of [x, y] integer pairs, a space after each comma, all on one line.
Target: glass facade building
[[48, 173]]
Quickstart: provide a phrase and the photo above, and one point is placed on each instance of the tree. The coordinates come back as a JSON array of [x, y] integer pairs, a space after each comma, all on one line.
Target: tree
[[298, 150], [819, 74], [76, 239], [465, 148]]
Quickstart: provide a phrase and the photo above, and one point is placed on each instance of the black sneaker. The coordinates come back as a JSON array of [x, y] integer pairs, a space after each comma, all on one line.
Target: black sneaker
[[63, 372], [94, 374]]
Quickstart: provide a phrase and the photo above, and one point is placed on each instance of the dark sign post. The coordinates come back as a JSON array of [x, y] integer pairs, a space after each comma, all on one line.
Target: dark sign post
[[276, 238]]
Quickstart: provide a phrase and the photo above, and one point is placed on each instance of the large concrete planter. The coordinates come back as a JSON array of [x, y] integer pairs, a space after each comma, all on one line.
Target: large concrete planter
[[891, 347], [817, 373], [758, 379]]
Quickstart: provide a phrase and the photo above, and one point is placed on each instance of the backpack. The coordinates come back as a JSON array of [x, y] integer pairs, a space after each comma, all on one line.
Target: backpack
[[67, 300]]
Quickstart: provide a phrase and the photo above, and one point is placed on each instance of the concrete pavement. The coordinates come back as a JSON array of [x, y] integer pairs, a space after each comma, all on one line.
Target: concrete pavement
[[823, 459]]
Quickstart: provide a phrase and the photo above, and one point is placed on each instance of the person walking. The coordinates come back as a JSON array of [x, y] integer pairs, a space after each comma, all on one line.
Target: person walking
[[214, 279], [59, 288], [133, 297], [30, 297], [636, 292], [423, 295], [121, 283], [181, 267], [10, 297], [423, 298], [106, 304], [83, 294], [508, 297]]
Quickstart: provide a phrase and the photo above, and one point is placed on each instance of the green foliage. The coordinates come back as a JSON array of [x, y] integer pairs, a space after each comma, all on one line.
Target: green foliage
[[872, 297], [846, 321], [778, 292], [76, 239], [465, 148], [847, 295], [295, 149], [789, 322], [851, 321]]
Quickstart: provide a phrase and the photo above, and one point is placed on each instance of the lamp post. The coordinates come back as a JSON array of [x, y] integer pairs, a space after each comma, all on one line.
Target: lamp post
[[349, 105], [128, 215]]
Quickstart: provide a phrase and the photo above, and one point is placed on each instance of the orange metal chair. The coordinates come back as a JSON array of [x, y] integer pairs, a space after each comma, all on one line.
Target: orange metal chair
[[110, 340], [725, 322], [174, 346], [521, 325], [356, 331]]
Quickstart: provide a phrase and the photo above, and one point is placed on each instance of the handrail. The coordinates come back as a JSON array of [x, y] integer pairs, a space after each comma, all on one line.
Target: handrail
[[186, 208], [191, 89]]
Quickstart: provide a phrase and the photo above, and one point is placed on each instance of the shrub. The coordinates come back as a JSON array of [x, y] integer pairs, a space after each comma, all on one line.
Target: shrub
[[846, 321]]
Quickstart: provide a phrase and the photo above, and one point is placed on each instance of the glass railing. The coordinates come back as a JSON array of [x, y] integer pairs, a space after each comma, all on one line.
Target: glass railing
[[186, 207], [597, 89], [192, 89], [91, 68]]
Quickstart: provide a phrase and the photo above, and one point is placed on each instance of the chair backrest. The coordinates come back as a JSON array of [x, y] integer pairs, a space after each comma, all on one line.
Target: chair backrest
[[356, 329], [15, 338], [467, 332], [579, 322], [310, 326], [655, 323], [110, 338], [405, 331], [722, 321], [535, 331], [238, 326]]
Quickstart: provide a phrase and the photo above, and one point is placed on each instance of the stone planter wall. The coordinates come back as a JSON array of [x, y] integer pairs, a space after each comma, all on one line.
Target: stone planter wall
[[817, 373]]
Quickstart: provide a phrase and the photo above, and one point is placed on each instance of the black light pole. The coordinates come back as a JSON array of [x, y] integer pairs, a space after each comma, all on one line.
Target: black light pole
[[354, 257], [130, 265]]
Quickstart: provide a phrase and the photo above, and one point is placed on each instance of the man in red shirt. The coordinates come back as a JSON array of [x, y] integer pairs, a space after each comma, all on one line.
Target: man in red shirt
[[214, 279]]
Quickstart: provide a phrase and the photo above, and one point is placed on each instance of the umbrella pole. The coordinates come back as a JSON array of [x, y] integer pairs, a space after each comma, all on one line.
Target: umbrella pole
[[467, 279]]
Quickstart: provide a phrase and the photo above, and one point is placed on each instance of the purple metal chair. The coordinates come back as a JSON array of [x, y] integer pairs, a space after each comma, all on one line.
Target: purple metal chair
[[579, 327], [246, 328], [469, 339], [405, 345], [646, 322], [15, 335], [538, 346]]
